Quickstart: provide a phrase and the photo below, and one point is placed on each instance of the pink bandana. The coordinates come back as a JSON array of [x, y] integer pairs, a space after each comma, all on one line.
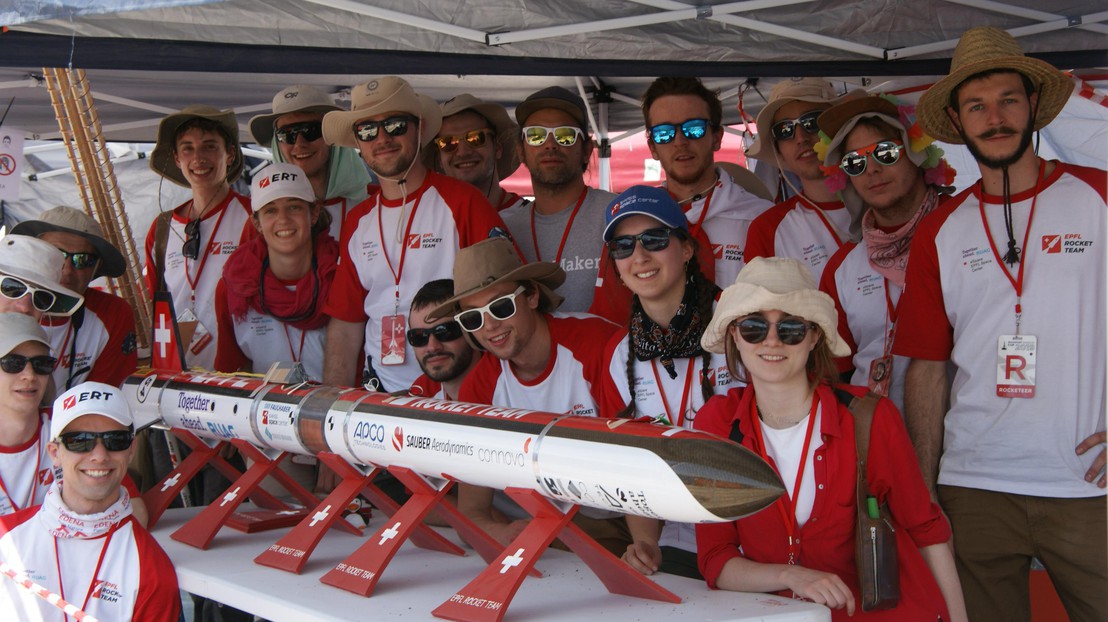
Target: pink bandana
[[888, 252], [63, 522]]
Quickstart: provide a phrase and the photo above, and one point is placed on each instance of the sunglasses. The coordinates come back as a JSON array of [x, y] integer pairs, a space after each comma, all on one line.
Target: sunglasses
[[502, 308], [14, 289], [564, 135], [445, 332], [652, 240], [84, 442], [473, 138], [80, 260], [886, 153], [310, 130], [43, 365], [786, 129], [191, 248], [790, 331], [664, 133], [368, 131]]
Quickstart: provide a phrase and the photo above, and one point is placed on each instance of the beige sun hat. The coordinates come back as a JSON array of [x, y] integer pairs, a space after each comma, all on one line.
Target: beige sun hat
[[982, 49], [379, 96], [774, 283], [814, 90], [19, 328], [71, 220], [495, 260], [161, 159], [296, 98], [505, 129]]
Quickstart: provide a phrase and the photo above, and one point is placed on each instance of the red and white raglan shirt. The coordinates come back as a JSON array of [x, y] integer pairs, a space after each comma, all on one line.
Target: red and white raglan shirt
[[262, 340], [105, 564], [425, 387], [192, 283], [26, 471], [959, 303], [867, 303], [97, 344], [800, 229], [389, 250]]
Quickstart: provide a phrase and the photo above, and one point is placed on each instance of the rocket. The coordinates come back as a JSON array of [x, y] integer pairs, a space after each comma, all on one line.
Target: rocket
[[632, 467]]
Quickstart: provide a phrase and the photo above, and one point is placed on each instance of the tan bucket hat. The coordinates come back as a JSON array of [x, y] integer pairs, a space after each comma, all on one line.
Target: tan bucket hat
[[72, 220], [161, 160], [814, 90], [506, 131], [378, 96], [768, 283], [17, 328], [981, 49], [296, 98], [495, 260]]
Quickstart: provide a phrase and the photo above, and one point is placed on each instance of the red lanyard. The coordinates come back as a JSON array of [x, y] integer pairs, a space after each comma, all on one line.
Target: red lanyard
[[703, 213], [786, 504], [95, 571], [827, 223], [204, 249], [681, 408], [65, 343], [296, 354], [34, 476], [1017, 283], [340, 201], [565, 234], [890, 317], [396, 272]]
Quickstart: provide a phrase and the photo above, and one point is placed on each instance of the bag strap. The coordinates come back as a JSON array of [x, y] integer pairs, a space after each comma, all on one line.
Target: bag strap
[[862, 408], [161, 239]]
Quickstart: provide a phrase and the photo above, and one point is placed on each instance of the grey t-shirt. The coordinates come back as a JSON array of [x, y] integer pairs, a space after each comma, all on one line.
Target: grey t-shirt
[[584, 244]]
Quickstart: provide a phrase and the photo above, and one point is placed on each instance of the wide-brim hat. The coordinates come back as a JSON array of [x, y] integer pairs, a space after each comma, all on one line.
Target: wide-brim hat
[[493, 261], [774, 283], [17, 328], [296, 98], [506, 131], [983, 49], [161, 160], [814, 90], [90, 398], [71, 220], [39, 264], [556, 97], [387, 94], [839, 120]]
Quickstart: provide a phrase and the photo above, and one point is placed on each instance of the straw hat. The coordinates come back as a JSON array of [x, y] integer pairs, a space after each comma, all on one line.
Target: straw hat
[[505, 129], [983, 49], [495, 260], [814, 90], [774, 283], [379, 96], [297, 98], [161, 159], [71, 220]]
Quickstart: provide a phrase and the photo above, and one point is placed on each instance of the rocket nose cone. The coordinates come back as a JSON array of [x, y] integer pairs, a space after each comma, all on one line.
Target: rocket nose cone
[[729, 480]]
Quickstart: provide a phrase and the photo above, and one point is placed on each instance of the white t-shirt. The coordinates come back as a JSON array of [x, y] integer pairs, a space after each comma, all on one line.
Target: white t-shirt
[[784, 446], [800, 229]]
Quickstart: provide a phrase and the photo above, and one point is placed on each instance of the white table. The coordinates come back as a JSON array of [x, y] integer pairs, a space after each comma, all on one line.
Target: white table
[[418, 581]]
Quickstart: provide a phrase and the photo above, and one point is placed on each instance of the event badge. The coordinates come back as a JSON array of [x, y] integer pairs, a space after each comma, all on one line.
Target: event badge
[[193, 331], [393, 340], [880, 372], [1015, 366]]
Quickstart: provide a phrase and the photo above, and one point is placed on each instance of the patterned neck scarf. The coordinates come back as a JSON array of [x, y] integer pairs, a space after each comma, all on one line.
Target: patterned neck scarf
[[63, 522], [888, 252], [649, 340]]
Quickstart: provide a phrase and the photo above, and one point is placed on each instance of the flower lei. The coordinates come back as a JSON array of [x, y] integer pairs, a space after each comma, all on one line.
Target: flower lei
[[936, 170]]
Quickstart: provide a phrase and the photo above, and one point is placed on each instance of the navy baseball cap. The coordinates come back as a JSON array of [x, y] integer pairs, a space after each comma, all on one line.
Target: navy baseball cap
[[648, 201]]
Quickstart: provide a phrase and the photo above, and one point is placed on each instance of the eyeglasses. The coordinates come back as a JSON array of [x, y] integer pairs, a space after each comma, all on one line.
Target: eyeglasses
[[473, 138], [310, 130], [84, 442], [502, 308], [692, 129], [886, 153], [790, 331], [14, 289], [368, 131], [191, 248], [786, 129], [653, 240], [42, 365], [80, 260], [445, 332], [564, 135]]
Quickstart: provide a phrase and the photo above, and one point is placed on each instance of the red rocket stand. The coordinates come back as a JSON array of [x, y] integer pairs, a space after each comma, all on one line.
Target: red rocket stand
[[487, 597], [200, 531]]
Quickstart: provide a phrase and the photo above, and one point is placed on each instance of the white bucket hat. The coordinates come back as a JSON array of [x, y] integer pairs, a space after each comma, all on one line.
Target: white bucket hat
[[39, 264]]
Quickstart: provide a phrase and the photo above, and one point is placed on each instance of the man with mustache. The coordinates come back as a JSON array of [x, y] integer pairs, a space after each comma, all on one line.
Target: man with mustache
[[1006, 286]]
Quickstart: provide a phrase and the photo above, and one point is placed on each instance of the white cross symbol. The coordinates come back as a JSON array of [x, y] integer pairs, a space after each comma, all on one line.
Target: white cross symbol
[[389, 533], [229, 497], [162, 335], [320, 515], [171, 482], [511, 561]]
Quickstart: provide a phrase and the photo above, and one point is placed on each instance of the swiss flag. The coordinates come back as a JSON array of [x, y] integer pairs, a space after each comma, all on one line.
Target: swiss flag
[[165, 351]]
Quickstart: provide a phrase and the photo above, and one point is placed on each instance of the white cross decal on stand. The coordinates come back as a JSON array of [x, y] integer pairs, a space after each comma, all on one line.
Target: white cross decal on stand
[[320, 515], [171, 482], [229, 497], [162, 335], [389, 533], [511, 561]]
